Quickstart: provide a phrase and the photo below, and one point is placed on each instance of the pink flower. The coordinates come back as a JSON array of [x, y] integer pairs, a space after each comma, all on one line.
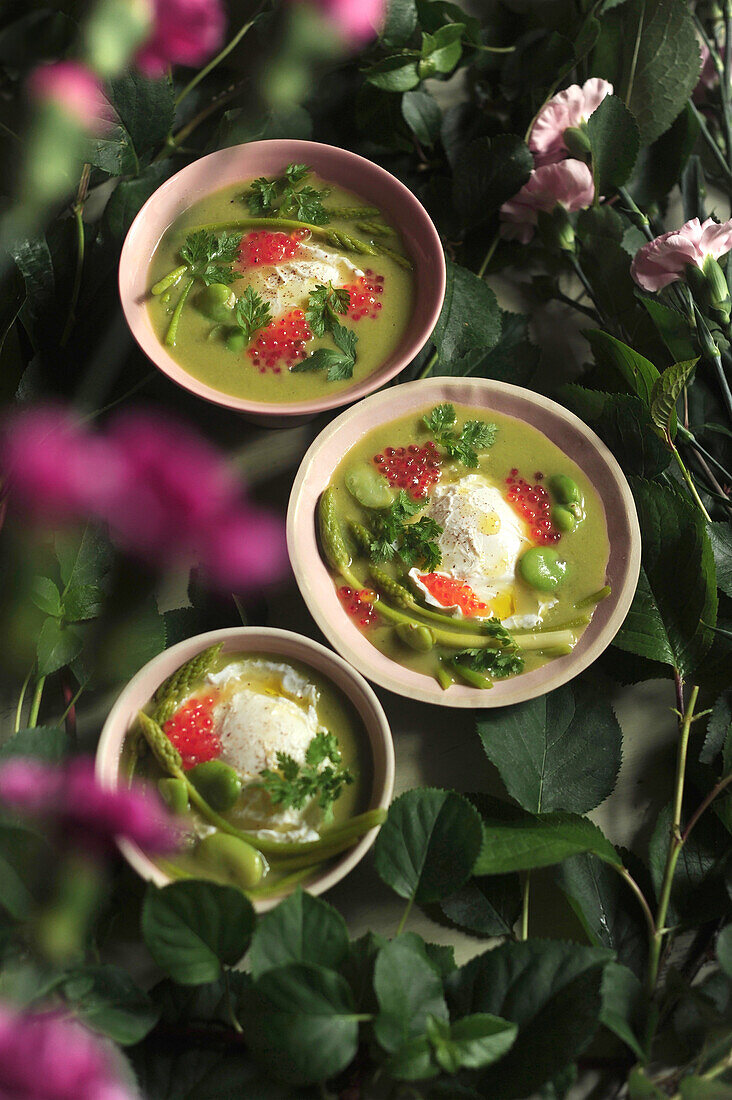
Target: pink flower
[[708, 77], [46, 1057], [356, 21], [664, 260], [568, 184], [185, 32], [571, 107], [81, 811], [165, 492], [74, 89]]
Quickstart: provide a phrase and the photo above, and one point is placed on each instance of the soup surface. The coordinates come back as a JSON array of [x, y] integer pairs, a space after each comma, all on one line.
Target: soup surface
[[465, 544], [272, 768], [258, 302]]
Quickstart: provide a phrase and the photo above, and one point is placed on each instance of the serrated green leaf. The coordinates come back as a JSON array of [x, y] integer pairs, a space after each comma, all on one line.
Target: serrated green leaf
[[660, 165], [487, 172], [719, 729], [665, 393], [613, 355], [46, 596], [82, 602], [302, 929], [108, 1001], [408, 990], [395, 74], [129, 196], [476, 1041], [720, 536], [84, 558], [698, 891], [173, 1071], [561, 751], [423, 116], [539, 841], [49, 743], [622, 1005], [470, 318], [58, 645], [615, 141], [485, 906]]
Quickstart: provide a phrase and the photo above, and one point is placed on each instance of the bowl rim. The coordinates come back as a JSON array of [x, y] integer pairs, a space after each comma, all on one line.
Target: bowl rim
[[164, 362], [361, 653], [359, 692]]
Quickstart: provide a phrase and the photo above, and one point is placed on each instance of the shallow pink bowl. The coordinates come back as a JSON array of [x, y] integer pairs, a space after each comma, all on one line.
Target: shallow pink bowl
[[560, 426], [267, 158], [267, 640]]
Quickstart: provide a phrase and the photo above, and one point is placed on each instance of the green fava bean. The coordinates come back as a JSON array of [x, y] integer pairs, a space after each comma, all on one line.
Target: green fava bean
[[231, 859], [218, 783], [368, 486], [236, 340], [175, 793], [542, 569], [416, 636], [562, 518], [216, 301], [565, 490]]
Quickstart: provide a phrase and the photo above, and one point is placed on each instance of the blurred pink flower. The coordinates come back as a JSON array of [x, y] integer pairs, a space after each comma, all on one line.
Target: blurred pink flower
[[568, 184], [708, 77], [167, 495], [71, 799], [44, 1056], [571, 107], [184, 32], [356, 21], [664, 260], [73, 88]]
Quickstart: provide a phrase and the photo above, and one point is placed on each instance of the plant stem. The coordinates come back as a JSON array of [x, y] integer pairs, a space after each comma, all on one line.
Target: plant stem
[[21, 700], [688, 479], [690, 438], [488, 256], [36, 704], [648, 915], [405, 916], [429, 364], [524, 928], [218, 59], [711, 143], [716, 790], [80, 245], [229, 1005], [723, 383], [644, 222]]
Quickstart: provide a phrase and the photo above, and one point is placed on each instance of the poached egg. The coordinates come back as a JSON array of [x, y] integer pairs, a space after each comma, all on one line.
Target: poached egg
[[287, 285]]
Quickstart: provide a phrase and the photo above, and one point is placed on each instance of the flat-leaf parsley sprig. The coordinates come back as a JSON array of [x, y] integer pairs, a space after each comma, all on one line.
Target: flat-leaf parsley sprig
[[476, 435], [251, 313], [280, 196], [394, 536], [325, 303], [206, 256], [322, 777]]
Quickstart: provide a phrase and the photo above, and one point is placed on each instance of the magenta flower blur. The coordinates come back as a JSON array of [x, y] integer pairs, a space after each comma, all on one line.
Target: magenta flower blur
[[568, 184], [166, 494], [44, 1056], [184, 32], [664, 260], [569, 108], [73, 88], [75, 805], [355, 21]]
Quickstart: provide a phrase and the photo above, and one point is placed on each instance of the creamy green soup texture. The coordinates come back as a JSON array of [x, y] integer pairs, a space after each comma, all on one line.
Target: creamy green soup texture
[[229, 726], [381, 295], [519, 537]]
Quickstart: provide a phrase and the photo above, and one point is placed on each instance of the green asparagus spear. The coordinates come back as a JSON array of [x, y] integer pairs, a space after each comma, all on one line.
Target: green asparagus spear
[[182, 682], [172, 333]]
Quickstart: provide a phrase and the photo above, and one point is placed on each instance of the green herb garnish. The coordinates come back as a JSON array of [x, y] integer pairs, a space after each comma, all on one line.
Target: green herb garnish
[[294, 785], [281, 196], [209, 257], [476, 435], [251, 312], [414, 543], [323, 304], [498, 663]]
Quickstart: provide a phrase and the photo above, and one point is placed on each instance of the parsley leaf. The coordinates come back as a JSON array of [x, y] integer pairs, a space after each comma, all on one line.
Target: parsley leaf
[[321, 777], [323, 303], [414, 543], [338, 365], [261, 195], [498, 663], [251, 312], [281, 196], [440, 419], [297, 172], [476, 435], [306, 205], [207, 254]]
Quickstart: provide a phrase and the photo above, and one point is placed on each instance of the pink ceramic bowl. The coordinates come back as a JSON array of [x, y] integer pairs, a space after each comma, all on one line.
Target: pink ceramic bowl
[[266, 158], [258, 639], [565, 430]]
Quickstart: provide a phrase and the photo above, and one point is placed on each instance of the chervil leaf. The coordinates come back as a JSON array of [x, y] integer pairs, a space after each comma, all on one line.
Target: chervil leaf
[[320, 778], [479, 434], [415, 543], [251, 312], [440, 419], [306, 205], [496, 662], [345, 339], [208, 256], [338, 366], [297, 172], [261, 195], [475, 435]]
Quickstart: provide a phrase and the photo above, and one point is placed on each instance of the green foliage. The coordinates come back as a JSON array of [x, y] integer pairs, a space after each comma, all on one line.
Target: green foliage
[[614, 143], [293, 784], [301, 929], [108, 1001], [396, 533], [488, 171], [539, 841], [408, 992], [475, 435], [251, 312], [470, 319]]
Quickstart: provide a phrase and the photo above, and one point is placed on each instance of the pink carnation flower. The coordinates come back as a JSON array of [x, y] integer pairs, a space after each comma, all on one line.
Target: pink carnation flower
[[664, 260], [571, 107], [185, 32], [74, 89], [81, 811], [356, 21], [44, 1056], [568, 184]]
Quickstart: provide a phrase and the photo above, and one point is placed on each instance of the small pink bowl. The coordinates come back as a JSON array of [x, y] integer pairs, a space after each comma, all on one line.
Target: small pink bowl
[[267, 158], [559, 425], [258, 639]]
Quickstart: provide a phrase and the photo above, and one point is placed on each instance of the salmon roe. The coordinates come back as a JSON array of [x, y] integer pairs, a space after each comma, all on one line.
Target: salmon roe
[[451, 592], [264, 247], [413, 468], [190, 731], [533, 503], [359, 603], [283, 340], [364, 296]]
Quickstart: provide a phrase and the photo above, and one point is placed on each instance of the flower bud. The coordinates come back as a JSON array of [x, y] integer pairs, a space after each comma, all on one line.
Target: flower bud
[[577, 140], [719, 297], [556, 229]]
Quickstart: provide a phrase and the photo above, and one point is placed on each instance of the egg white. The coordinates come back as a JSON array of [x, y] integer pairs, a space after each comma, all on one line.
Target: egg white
[[287, 285]]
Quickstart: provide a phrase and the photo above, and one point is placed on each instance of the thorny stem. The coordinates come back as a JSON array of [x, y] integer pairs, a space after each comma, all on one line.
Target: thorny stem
[[78, 211]]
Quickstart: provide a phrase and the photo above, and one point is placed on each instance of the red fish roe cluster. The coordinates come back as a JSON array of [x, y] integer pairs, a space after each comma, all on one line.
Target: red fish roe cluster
[[364, 296], [359, 602], [413, 468], [533, 503], [283, 340], [263, 247], [451, 592], [191, 731]]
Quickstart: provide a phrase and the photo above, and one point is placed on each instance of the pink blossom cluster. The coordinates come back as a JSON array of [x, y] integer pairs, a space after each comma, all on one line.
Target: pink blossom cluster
[[664, 260], [70, 86], [166, 494], [355, 21], [44, 1056], [184, 32], [82, 812], [568, 109]]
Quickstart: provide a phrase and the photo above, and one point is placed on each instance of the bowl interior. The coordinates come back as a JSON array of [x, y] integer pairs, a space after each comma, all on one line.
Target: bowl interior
[[565, 430], [255, 639], [242, 162]]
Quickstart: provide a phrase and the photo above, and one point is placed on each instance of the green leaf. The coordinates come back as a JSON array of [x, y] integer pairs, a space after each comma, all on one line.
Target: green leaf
[[46, 596], [724, 950], [470, 318], [643, 631], [130, 642], [58, 645], [660, 165], [720, 536], [400, 22], [442, 50], [561, 751], [173, 1071], [302, 929], [552, 990], [394, 74], [719, 729], [665, 393], [650, 52], [408, 990], [485, 906], [49, 743], [698, 893], [539, 842], [82, 602], [641, 1088], [25, 858], [129, 196], [300, 1021], [615, 141], [487, 172], [192, 928], [83, 559], [107, 1000], [701, 1088], [513, 359], [241, 125], [476, 1041], [337, 365], [613, 355], [622, 1005], [423, 116], [428, 844], [672, 327]]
